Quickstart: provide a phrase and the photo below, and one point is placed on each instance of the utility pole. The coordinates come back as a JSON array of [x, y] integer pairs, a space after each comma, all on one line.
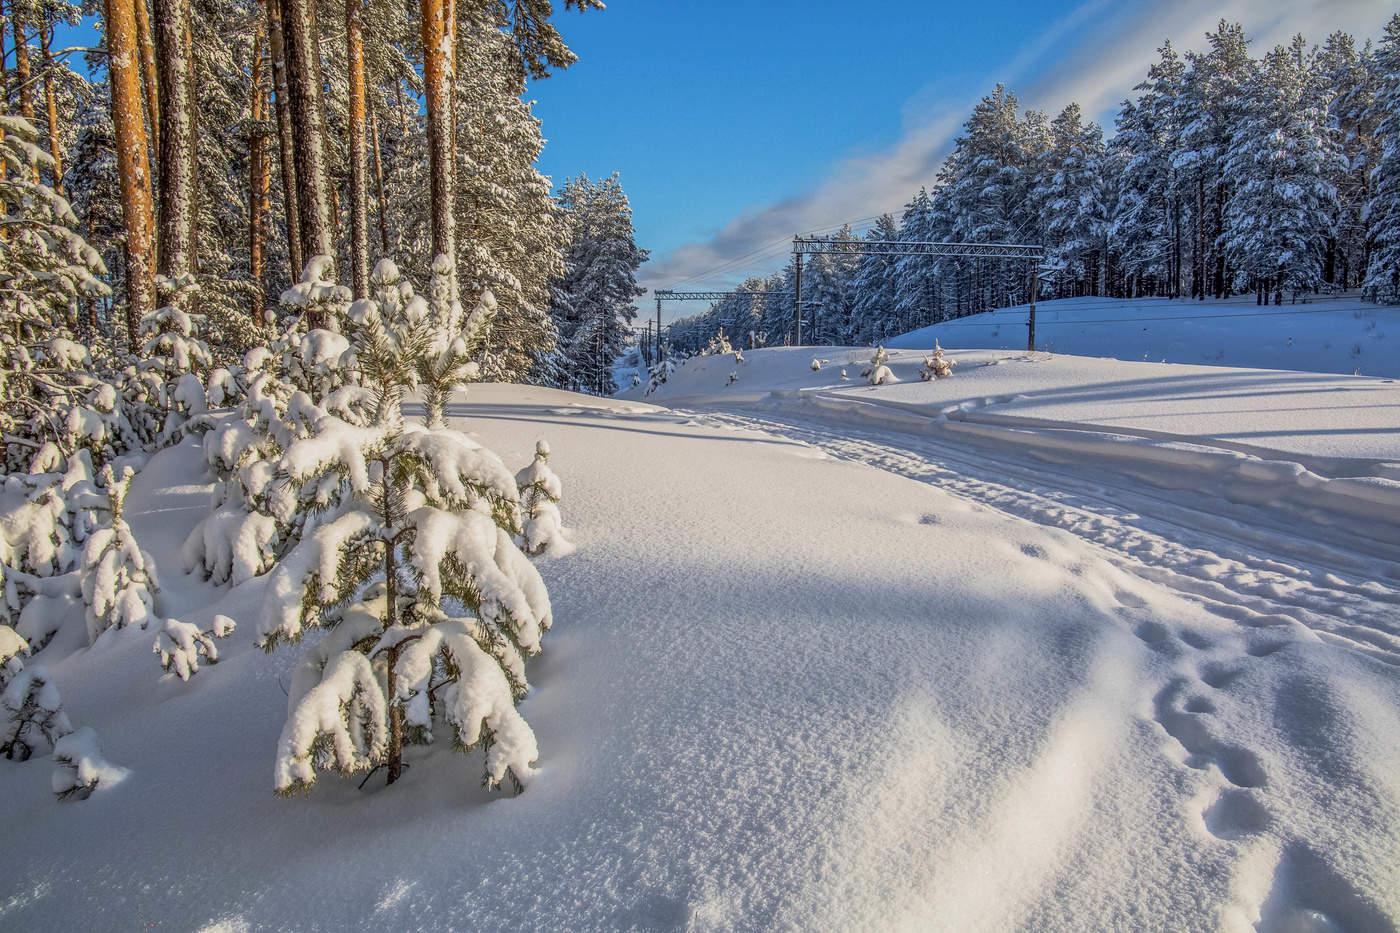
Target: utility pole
[[1030, 321], [658, 330], [797, 305]]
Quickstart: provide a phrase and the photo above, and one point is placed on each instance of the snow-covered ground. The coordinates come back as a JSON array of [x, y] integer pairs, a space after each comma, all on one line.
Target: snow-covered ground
[[1028, 647], [1328, 335]]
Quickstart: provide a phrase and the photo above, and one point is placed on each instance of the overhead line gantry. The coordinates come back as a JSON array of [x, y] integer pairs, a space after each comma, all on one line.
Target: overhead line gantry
[[815, 246]]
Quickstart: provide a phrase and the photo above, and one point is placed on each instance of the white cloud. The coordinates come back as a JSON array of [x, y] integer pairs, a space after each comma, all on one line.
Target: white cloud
[[1102, 50]]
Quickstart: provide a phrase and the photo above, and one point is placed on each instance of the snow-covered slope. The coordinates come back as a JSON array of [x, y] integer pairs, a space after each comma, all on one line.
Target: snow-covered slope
[[815, 683], [1328, 335]]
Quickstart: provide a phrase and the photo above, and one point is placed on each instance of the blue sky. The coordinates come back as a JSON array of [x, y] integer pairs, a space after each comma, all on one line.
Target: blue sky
[[736, 125], [707, 108]]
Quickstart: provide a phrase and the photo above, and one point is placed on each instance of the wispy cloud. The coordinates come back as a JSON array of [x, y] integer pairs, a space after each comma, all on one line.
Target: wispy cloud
[[1099, 51]]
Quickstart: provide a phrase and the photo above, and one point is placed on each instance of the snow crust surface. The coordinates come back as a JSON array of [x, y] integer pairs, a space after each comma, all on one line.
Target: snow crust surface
[[802, 675]]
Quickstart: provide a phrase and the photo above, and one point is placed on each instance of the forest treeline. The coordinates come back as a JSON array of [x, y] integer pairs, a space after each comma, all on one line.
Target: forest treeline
[[209, 149], [1226, 174]]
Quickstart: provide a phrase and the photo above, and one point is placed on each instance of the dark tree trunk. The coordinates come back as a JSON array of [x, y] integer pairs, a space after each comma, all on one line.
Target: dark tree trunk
[[439, 44], [176, 159], [51, 101], [308, 121], [133, 160], [259, 178], [276, 53], [359, 208], [379, 185]]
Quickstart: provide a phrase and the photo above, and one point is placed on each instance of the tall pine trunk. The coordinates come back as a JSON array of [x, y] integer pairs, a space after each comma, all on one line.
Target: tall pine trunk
[[176, 157], [133, 160], [309, 127], [51, 100], [359, 208], [4, 100], [439, 48], [259, 178], [379, 184], [22, 73], [148, 70], [277, 58]]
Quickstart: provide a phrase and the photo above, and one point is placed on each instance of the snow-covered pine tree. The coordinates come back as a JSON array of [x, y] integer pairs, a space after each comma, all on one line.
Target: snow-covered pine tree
[[1213, 95], [80, 767], [431, 606], [916, 277], [660, 372], [1383, 208], [180, 645], [1281, 160], [936, 366], [45, 518], [872, 309], [831, 287], [592, 301], [174, 353], [119, 580], [511, 234], [719, 345], [540, 491], [13, 651], [877, 373], [1347, 87], [34, 713], [1069, 193], [46, 268], [1145, 226]]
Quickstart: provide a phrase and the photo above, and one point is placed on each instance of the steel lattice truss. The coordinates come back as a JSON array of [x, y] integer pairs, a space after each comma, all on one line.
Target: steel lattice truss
[[815, 245], [669, 295]]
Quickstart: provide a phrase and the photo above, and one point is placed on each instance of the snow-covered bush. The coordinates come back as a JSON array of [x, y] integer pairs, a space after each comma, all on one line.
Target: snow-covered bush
[[413, 567], [877, 373], [445, 365], [312, 356], [540, 492], [45, 518], [936, 366], [80, 767], [718, 345], [180, 645], [13, 651], [119, 580], [173, 358], [46, 267], [659, 373], [34, 712]]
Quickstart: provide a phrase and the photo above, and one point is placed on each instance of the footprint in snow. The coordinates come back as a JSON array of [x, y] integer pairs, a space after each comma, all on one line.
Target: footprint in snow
[[1240, 766], [1220, 676], [1196, 640], [1264, 649], [1235, 814], [1309, 894]]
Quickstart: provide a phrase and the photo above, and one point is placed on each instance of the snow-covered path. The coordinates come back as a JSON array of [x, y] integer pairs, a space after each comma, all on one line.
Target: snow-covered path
[[1246, 563]]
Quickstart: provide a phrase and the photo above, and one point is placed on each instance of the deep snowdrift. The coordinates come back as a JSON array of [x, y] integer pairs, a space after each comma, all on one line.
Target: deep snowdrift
[[1326, 335], [799, 693]]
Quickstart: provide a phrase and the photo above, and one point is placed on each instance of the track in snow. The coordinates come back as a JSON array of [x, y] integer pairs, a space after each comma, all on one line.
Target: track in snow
[[1248, 564]]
